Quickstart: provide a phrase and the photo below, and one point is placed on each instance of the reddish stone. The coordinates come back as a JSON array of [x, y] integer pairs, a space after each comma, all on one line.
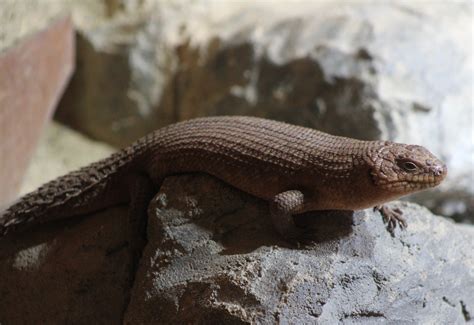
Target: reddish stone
[[33, 75]]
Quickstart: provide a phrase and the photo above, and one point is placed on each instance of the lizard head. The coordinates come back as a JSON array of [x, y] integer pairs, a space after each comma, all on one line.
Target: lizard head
[[402, 169]]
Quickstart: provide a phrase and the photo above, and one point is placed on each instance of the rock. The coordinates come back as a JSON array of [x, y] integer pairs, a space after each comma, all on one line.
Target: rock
[[36, 61], [73, 272], [99, 100], [61, 150], [391, 71], [20, 20], [213, 257]]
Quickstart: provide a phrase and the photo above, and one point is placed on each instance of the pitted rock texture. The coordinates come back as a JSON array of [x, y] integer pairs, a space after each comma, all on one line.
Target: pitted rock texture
[[398, 71], [213, 257]]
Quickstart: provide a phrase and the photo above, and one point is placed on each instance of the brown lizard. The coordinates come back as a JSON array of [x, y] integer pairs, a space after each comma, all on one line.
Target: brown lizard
[[296, 169]]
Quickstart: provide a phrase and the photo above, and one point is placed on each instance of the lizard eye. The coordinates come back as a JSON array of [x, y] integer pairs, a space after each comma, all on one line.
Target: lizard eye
[[408, 166]]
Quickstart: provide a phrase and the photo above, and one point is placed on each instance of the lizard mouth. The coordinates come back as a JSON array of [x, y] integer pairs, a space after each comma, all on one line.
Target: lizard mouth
[[437, 174], [421, 182], [417, 182]]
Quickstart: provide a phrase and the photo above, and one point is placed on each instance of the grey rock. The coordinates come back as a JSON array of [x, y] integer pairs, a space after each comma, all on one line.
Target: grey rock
[[213, 257], [72, 272]]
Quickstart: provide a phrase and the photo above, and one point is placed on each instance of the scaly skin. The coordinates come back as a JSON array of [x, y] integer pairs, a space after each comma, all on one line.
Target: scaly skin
[[296, 169]]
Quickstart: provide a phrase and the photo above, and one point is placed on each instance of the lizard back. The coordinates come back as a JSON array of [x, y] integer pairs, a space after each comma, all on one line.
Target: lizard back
[[259, 156]]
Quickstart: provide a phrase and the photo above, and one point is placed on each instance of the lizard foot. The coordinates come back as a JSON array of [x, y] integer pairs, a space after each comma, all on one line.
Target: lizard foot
[[392, 217]]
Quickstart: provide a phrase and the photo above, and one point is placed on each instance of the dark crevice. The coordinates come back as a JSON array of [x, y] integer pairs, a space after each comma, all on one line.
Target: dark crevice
[[142, 192], [364, 314], [446, 300], [465, 312], [136, 249]]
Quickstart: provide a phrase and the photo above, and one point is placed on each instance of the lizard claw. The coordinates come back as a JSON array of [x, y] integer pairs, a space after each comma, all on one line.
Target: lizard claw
[[392, 217]]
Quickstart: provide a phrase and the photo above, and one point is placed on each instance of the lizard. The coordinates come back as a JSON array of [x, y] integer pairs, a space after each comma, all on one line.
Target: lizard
[[296, 169]]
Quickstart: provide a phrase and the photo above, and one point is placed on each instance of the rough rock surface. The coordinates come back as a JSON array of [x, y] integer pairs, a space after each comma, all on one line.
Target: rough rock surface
[[73, 272], [20, 19], [392, 70], [213, 257]]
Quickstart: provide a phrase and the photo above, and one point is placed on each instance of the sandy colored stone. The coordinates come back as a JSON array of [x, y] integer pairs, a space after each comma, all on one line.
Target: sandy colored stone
[[21, 19], [61, 150]]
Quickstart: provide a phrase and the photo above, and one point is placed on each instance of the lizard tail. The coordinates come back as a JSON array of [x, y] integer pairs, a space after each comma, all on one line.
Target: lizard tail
[[86, 190]]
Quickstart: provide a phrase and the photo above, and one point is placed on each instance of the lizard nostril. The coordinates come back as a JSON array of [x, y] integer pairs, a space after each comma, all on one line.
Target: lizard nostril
[[439, 170]]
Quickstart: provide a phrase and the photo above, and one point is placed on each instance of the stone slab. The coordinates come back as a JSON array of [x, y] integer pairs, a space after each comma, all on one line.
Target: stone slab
[[34, 73]]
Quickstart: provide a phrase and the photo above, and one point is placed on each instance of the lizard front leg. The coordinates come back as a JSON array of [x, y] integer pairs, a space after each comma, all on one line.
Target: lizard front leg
[[392, 217], [282, 208]]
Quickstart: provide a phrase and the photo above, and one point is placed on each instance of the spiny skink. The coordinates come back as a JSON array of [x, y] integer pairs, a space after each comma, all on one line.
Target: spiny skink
[[296, 169]]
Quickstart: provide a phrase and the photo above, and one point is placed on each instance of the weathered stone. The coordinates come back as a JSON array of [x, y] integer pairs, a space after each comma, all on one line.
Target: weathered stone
[[100, 100], [393, 71], [73, 272], [213, 257], [34, 70], [20, 20]]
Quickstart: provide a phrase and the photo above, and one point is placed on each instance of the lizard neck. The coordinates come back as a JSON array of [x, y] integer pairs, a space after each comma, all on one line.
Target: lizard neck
[[344, 180]]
